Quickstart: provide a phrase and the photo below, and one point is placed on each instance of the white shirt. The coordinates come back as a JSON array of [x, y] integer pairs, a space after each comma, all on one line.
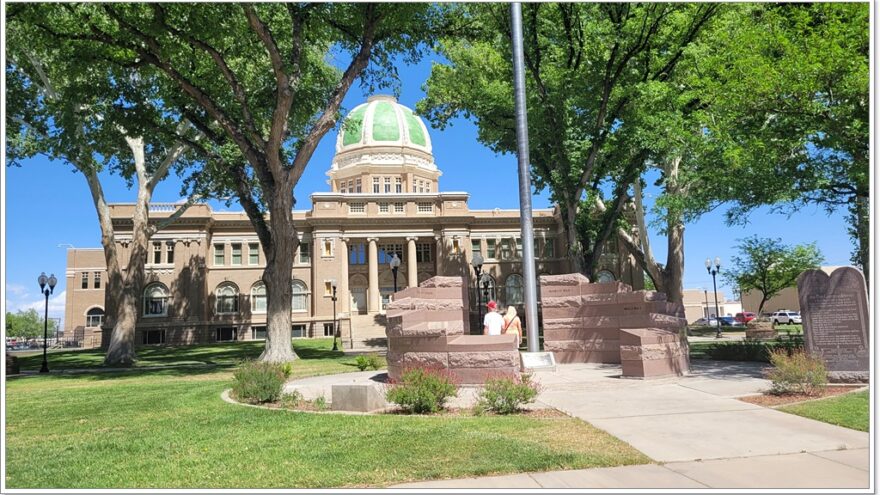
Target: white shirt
[[494, 321]]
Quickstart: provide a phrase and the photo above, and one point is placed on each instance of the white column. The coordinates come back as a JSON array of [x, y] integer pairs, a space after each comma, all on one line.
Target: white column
[[343, 297], [411, 266], [439, 253], [373, 303]]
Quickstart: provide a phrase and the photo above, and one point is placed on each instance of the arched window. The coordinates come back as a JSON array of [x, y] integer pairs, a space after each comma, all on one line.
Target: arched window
[[155, 300], [604, 276], [226, 299], [258, 298], [300, 296], [95, 317], [487, 288], [513, 289]]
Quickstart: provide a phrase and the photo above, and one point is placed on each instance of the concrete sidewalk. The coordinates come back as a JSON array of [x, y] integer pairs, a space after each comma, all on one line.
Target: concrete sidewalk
[[703, 437]]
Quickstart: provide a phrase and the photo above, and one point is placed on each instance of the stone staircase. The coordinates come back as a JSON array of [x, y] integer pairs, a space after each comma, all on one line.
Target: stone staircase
[[368, 334]]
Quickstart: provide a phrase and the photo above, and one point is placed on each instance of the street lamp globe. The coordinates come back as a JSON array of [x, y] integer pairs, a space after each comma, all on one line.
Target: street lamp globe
[[395, 262], [477, 261], [717, 263], [42, 279], [708, 264], [52, 282]]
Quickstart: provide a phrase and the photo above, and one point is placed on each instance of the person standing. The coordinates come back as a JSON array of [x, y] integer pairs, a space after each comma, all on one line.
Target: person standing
[[493, 322]]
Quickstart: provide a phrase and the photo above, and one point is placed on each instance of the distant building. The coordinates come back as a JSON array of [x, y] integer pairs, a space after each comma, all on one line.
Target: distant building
[[203, 272], [700, 303], [786, 299]]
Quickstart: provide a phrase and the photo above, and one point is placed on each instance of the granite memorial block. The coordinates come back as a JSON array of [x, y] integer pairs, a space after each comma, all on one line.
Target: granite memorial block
[[834, 309]]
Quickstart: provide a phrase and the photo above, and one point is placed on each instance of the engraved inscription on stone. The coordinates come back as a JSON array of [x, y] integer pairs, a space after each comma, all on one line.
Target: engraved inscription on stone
[[835, 315], [538, 360]]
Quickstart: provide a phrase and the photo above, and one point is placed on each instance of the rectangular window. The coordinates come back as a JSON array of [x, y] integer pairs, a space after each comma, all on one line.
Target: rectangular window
[[94, 320], [227, 303], [154, 337], [328, 248], [97, 280], [387, 252], [375, 185], [506, 251], [236, 254], [258, 300], [351, 186], [225, 334], [328, 329], [398, 207], [398, 185], [490, 248], [387, 185], [421, 186], [356, 255], [157, 252], [356, 208], [476, 246], [423, 253], [85, 280], [258, 333], [538, 247], [305, 253], [383, 207], [548, 249], [219, 254], [328, 288], [253, 253], [357, 185], [298, 331], [169, 252], [456, 247], [519, 247], [415, 187], [342, 188], [427, 186], [426, 208]]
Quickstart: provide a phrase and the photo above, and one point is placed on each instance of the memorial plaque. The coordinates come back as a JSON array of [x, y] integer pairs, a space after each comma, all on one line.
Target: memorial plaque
[[537, 361], [834, 310]]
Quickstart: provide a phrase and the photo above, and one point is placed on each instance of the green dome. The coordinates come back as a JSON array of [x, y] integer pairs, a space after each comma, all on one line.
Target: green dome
[[381, 121]]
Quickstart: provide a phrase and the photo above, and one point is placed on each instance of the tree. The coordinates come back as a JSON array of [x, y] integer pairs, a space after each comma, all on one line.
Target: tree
[[586, 66], [790, 83], [69, 104], [27, 324], [768, 266], [257, 82]]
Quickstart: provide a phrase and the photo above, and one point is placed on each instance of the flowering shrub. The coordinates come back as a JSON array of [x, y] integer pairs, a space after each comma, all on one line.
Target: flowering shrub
[[422, 390], [504, 395], [796, 372], [257, 382]]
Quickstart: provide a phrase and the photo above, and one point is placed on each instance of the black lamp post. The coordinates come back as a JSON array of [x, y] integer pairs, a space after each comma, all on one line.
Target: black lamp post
[[715, 288], [477, 263], [395, 265], [43, 281], [335, 330]]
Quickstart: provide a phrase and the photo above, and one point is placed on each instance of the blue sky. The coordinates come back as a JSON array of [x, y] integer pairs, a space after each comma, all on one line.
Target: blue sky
[[48, 206]]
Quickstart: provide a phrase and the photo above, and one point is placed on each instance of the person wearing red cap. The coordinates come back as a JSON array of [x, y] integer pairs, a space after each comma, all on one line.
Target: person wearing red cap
[[493, 322]]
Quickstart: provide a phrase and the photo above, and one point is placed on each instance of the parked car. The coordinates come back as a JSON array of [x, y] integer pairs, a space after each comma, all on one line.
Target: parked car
[[729, 321], [786, 317], [745, 317], [705, 322]]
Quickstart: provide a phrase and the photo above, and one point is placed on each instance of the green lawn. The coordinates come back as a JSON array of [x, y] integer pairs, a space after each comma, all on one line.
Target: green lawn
[[170, 429], [850, 410]]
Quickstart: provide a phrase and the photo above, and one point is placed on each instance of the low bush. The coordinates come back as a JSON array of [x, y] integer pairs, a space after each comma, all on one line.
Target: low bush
[[506, 395], [368, 361], [257, 382], [291, 400], [422, 390], [754, 349], [320, 403], [796, 373], [287, 369]]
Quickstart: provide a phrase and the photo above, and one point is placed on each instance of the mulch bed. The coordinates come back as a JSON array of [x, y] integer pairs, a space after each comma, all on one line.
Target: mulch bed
[[468, 412], [768, 400]]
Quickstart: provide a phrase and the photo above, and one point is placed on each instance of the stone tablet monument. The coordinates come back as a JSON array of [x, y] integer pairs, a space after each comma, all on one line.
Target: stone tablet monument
[[834, 308]]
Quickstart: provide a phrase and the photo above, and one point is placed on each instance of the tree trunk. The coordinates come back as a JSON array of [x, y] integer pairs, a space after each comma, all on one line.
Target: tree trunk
[[575, 253], [278, 278], [122, 338], [673, 272], [862, 233]]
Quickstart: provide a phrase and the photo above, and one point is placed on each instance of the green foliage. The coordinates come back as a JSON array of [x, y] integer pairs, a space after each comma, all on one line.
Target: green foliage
[[796, 373], [506, 395], [753, 349], [287, 369], [27, 324], [768, 265], [257, 382], [320, 403], [422, 390], [368, 361], [291, 400]]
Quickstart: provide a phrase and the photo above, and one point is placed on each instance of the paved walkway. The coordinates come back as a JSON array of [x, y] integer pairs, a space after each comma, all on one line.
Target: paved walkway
[[701, 436]]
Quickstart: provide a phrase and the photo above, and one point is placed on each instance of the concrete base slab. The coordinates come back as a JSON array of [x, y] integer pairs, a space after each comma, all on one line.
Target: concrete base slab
[[647, 476], [750, 432], [779, 471], [857, 458]]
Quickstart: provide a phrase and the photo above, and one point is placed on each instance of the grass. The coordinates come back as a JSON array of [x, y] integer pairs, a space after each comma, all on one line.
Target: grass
[[849, 410], [170, 429]]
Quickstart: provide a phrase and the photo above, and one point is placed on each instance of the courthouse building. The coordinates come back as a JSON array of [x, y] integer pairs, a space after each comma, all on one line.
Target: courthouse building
[[203, 272]]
